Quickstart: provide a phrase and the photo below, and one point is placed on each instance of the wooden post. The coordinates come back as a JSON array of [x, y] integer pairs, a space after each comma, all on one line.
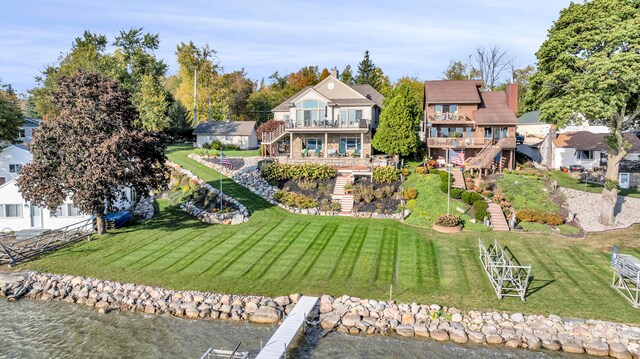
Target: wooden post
[[361, 145], [326, 145], [290, 145]]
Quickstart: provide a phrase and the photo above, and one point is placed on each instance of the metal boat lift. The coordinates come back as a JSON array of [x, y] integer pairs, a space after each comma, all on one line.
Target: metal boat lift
[[507, 278], [626, 276]]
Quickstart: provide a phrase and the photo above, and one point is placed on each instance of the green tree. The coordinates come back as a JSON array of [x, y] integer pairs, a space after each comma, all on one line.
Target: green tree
[[10, 114], [103, 152], [416, 87], [369, 73], [238, 90], [521, 77], [456, 71], [397, 133], [152, 104], [346, 76], [589, 68], [324, 74]]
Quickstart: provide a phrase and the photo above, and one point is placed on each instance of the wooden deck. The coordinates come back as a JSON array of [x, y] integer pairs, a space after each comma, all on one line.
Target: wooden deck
[[277, 346]]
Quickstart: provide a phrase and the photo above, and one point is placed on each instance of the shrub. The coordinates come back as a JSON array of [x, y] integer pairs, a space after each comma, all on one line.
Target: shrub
[[611, 184], [307, 184], [230, 147], [448, 220], [456, 193], [293, 199], [386, 174], [434, 171], [421, 170], [527, 215], [410, 193], [406, 172], [277, 172], [266, 127], [480, 209], [362, 192], [470, 197]]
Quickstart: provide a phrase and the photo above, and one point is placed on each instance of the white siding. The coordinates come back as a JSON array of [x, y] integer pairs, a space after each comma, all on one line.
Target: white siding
[[567, 157], [12, 155], [537, 130], [244, 142]]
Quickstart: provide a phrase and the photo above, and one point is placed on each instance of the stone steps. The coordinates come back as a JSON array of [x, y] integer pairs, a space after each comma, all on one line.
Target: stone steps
[[458, 178], [498, 222], [346, 200]]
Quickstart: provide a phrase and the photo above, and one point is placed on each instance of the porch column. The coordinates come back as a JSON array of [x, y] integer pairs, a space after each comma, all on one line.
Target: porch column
[[290, 145], [326, 145], [512, 160], [361, 145]]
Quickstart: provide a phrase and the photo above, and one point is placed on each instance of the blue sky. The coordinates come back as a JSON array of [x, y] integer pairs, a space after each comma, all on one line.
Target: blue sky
[[416, 38]]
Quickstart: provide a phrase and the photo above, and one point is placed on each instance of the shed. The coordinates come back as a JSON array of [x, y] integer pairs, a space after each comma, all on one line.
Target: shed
[[240, 133]]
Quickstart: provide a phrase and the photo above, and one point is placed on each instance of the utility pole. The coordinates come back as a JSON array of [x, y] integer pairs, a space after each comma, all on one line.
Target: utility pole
[[469, 67], [195, 98], [210, 108]]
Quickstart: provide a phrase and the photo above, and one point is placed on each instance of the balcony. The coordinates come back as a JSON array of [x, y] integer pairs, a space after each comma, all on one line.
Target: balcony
[[457, 142], [449, 118], [361, 125]]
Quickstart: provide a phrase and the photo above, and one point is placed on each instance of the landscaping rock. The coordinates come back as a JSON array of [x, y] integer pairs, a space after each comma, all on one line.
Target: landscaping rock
[[440, 335], [405, 330], [266, 315], [597, 348], [619, 351]]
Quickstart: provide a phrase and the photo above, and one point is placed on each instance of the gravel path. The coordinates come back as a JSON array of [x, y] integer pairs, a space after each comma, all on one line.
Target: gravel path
[[587, 208]]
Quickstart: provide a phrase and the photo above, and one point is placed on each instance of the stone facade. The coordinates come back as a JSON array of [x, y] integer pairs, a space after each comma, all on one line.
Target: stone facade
[[332, 143]]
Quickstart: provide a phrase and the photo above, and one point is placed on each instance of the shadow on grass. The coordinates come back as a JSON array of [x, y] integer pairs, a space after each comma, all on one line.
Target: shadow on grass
[[537, 284]]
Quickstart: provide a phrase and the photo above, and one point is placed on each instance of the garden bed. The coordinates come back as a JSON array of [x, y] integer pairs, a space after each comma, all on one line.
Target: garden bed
[[381, 198]]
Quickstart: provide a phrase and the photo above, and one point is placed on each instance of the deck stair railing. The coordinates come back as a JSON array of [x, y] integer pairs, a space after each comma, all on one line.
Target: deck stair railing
[[626, 276], [13, 251], [507, 278], [275, 135], [486, 156]]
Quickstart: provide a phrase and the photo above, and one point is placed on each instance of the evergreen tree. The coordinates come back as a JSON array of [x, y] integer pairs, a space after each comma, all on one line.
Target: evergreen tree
[[366, 71], [347, 75], [397, 133], [10, 115]]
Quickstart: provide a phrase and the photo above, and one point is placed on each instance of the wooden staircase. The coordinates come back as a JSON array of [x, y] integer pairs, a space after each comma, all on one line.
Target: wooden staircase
[[346, 200], [498, 222], [270, 138], [485, 158]]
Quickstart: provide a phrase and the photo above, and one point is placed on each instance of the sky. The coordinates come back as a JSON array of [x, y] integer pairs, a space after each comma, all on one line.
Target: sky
[[414, 38]]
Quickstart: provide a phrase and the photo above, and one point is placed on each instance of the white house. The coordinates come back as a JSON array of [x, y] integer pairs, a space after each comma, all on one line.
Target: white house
[[240, 133], [17, 214], [583, 148], [530, 126], [26, 130]]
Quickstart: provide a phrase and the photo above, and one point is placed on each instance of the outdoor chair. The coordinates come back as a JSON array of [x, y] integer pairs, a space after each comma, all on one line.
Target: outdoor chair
[[318, 151]]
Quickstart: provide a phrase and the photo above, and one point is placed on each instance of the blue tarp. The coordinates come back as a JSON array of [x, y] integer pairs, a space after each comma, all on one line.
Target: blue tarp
[[118, 218]]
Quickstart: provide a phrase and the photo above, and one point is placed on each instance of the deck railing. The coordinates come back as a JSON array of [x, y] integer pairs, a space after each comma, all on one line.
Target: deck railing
[[452, 116], [328, 123]]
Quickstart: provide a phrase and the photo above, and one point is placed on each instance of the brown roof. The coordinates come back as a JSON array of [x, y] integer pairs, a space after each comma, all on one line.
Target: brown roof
[[589, 141], [494, 110], [452, 91]]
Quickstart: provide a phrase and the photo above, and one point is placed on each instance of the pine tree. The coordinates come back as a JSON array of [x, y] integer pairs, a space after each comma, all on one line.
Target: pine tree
[[10, 114], [399, 123], [347, 75], [366, 71]]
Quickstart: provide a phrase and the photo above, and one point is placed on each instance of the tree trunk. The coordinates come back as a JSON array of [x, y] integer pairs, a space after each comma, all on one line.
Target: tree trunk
[[607, 211], [100, 224]]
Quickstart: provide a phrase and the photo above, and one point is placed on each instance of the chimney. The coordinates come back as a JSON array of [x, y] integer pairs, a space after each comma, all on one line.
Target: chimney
[[334, 72], [512, 96]]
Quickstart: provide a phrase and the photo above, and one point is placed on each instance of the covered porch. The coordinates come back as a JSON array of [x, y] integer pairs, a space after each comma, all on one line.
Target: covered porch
[[330, 145]]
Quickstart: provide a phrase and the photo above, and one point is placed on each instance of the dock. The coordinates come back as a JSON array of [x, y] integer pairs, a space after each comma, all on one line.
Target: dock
[[277, 345]]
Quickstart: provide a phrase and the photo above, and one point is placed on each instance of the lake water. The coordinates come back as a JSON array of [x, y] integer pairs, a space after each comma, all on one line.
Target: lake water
[[30, 329]]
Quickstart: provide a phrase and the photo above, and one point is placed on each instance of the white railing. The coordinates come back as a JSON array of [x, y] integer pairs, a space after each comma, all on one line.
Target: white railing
[[328, 123], [449, 116]]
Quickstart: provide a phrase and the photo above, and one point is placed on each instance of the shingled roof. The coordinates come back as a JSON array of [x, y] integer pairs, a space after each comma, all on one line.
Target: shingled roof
[[452, 91], [494, 110], [222, 128], [369, 92], [589, 141]]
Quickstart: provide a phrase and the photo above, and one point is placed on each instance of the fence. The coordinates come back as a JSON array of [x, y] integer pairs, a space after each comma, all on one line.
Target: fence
[[13, 251], [508, 279]]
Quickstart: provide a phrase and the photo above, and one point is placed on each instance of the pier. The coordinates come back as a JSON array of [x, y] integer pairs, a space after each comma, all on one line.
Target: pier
[[277, 345]]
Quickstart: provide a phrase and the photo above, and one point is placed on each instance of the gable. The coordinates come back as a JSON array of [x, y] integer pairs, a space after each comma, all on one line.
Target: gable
[[334, 89]]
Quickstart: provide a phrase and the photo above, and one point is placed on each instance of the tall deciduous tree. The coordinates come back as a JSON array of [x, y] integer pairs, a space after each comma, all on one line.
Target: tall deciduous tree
[[152, 104], [522, 77], [589, 67], [491, 64], [397, 133], [10, 114], [456, 71], [90, 152]]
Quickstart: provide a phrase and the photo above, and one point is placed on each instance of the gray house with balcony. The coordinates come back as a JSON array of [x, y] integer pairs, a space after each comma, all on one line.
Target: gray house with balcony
[[328, 120]]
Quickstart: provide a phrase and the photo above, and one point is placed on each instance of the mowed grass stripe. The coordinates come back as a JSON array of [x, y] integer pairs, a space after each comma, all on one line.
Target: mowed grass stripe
[[406, 260], [385, 273], [330, 256], [364, 268], [165, 250], [153, 249], [234, 251], [315, 252], [189, 258], [262, 249], [289, 259], [433, 270], [348, 253], [262, 268]]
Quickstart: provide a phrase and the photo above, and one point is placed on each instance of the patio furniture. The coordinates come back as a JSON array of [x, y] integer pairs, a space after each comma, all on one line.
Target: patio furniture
[[331, 153], [318, 151], [356, 152]]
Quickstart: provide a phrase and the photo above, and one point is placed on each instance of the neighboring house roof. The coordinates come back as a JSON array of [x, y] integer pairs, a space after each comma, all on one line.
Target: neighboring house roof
[[589, 141], [223, 128], [495, 110], [31, 122], [368, 96], [17, 145], [452, 91], [531, 118], [369, 92]]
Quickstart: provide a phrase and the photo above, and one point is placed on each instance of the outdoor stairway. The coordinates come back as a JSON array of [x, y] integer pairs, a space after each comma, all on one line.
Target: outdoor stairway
[[346, 200], [498, 222], [458, 178], [485, 158]]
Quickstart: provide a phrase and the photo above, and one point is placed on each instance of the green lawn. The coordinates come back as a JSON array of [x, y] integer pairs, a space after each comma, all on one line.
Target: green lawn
[[524, 192], [565, 180], [243, 153], [432, 202], [543, 228], [278, 253]]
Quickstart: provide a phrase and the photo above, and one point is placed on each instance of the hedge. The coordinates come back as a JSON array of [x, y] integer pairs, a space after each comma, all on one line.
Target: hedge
[[276, 172], [480, 209], [386, 174], [527, 215]]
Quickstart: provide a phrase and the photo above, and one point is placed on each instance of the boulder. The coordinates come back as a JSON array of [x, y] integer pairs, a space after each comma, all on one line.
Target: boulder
[[533, 342], [456, 318], [513, 343], [440, 335], [551, 344], [573, 347], [619, 351], [459, 336], [408, 319], [329, 321], [265, 315], [192, 313], [517, 318], [251, 307], [494, 339], [597, 348], [405, 330], [237, 219], [421, 330], [351, 319], [476, 337]]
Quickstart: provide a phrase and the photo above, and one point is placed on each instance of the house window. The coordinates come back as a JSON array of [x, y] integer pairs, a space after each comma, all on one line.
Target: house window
[[15, 168], [349, 144], [22, 133], [350, 118], [10, 211], [487, 132], [313, 144], [433, 132], [311, 114], [66, 210], [468, 132], [446, 108], [286, 118], [584, 155]]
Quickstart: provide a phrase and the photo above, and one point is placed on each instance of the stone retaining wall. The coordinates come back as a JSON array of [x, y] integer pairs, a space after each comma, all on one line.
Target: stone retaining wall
[[240, 215], [345, 314]]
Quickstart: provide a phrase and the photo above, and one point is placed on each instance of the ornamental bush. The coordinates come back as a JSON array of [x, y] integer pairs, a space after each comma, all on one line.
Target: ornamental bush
[[386, 174], [421, 170], [277, 172], [480, 209], [527, 215], [410, 193], [293, 199], [470, 197], [448, 220]]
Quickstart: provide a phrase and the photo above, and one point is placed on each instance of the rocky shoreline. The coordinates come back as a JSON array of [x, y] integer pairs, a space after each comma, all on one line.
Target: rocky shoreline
[[344, 314]]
